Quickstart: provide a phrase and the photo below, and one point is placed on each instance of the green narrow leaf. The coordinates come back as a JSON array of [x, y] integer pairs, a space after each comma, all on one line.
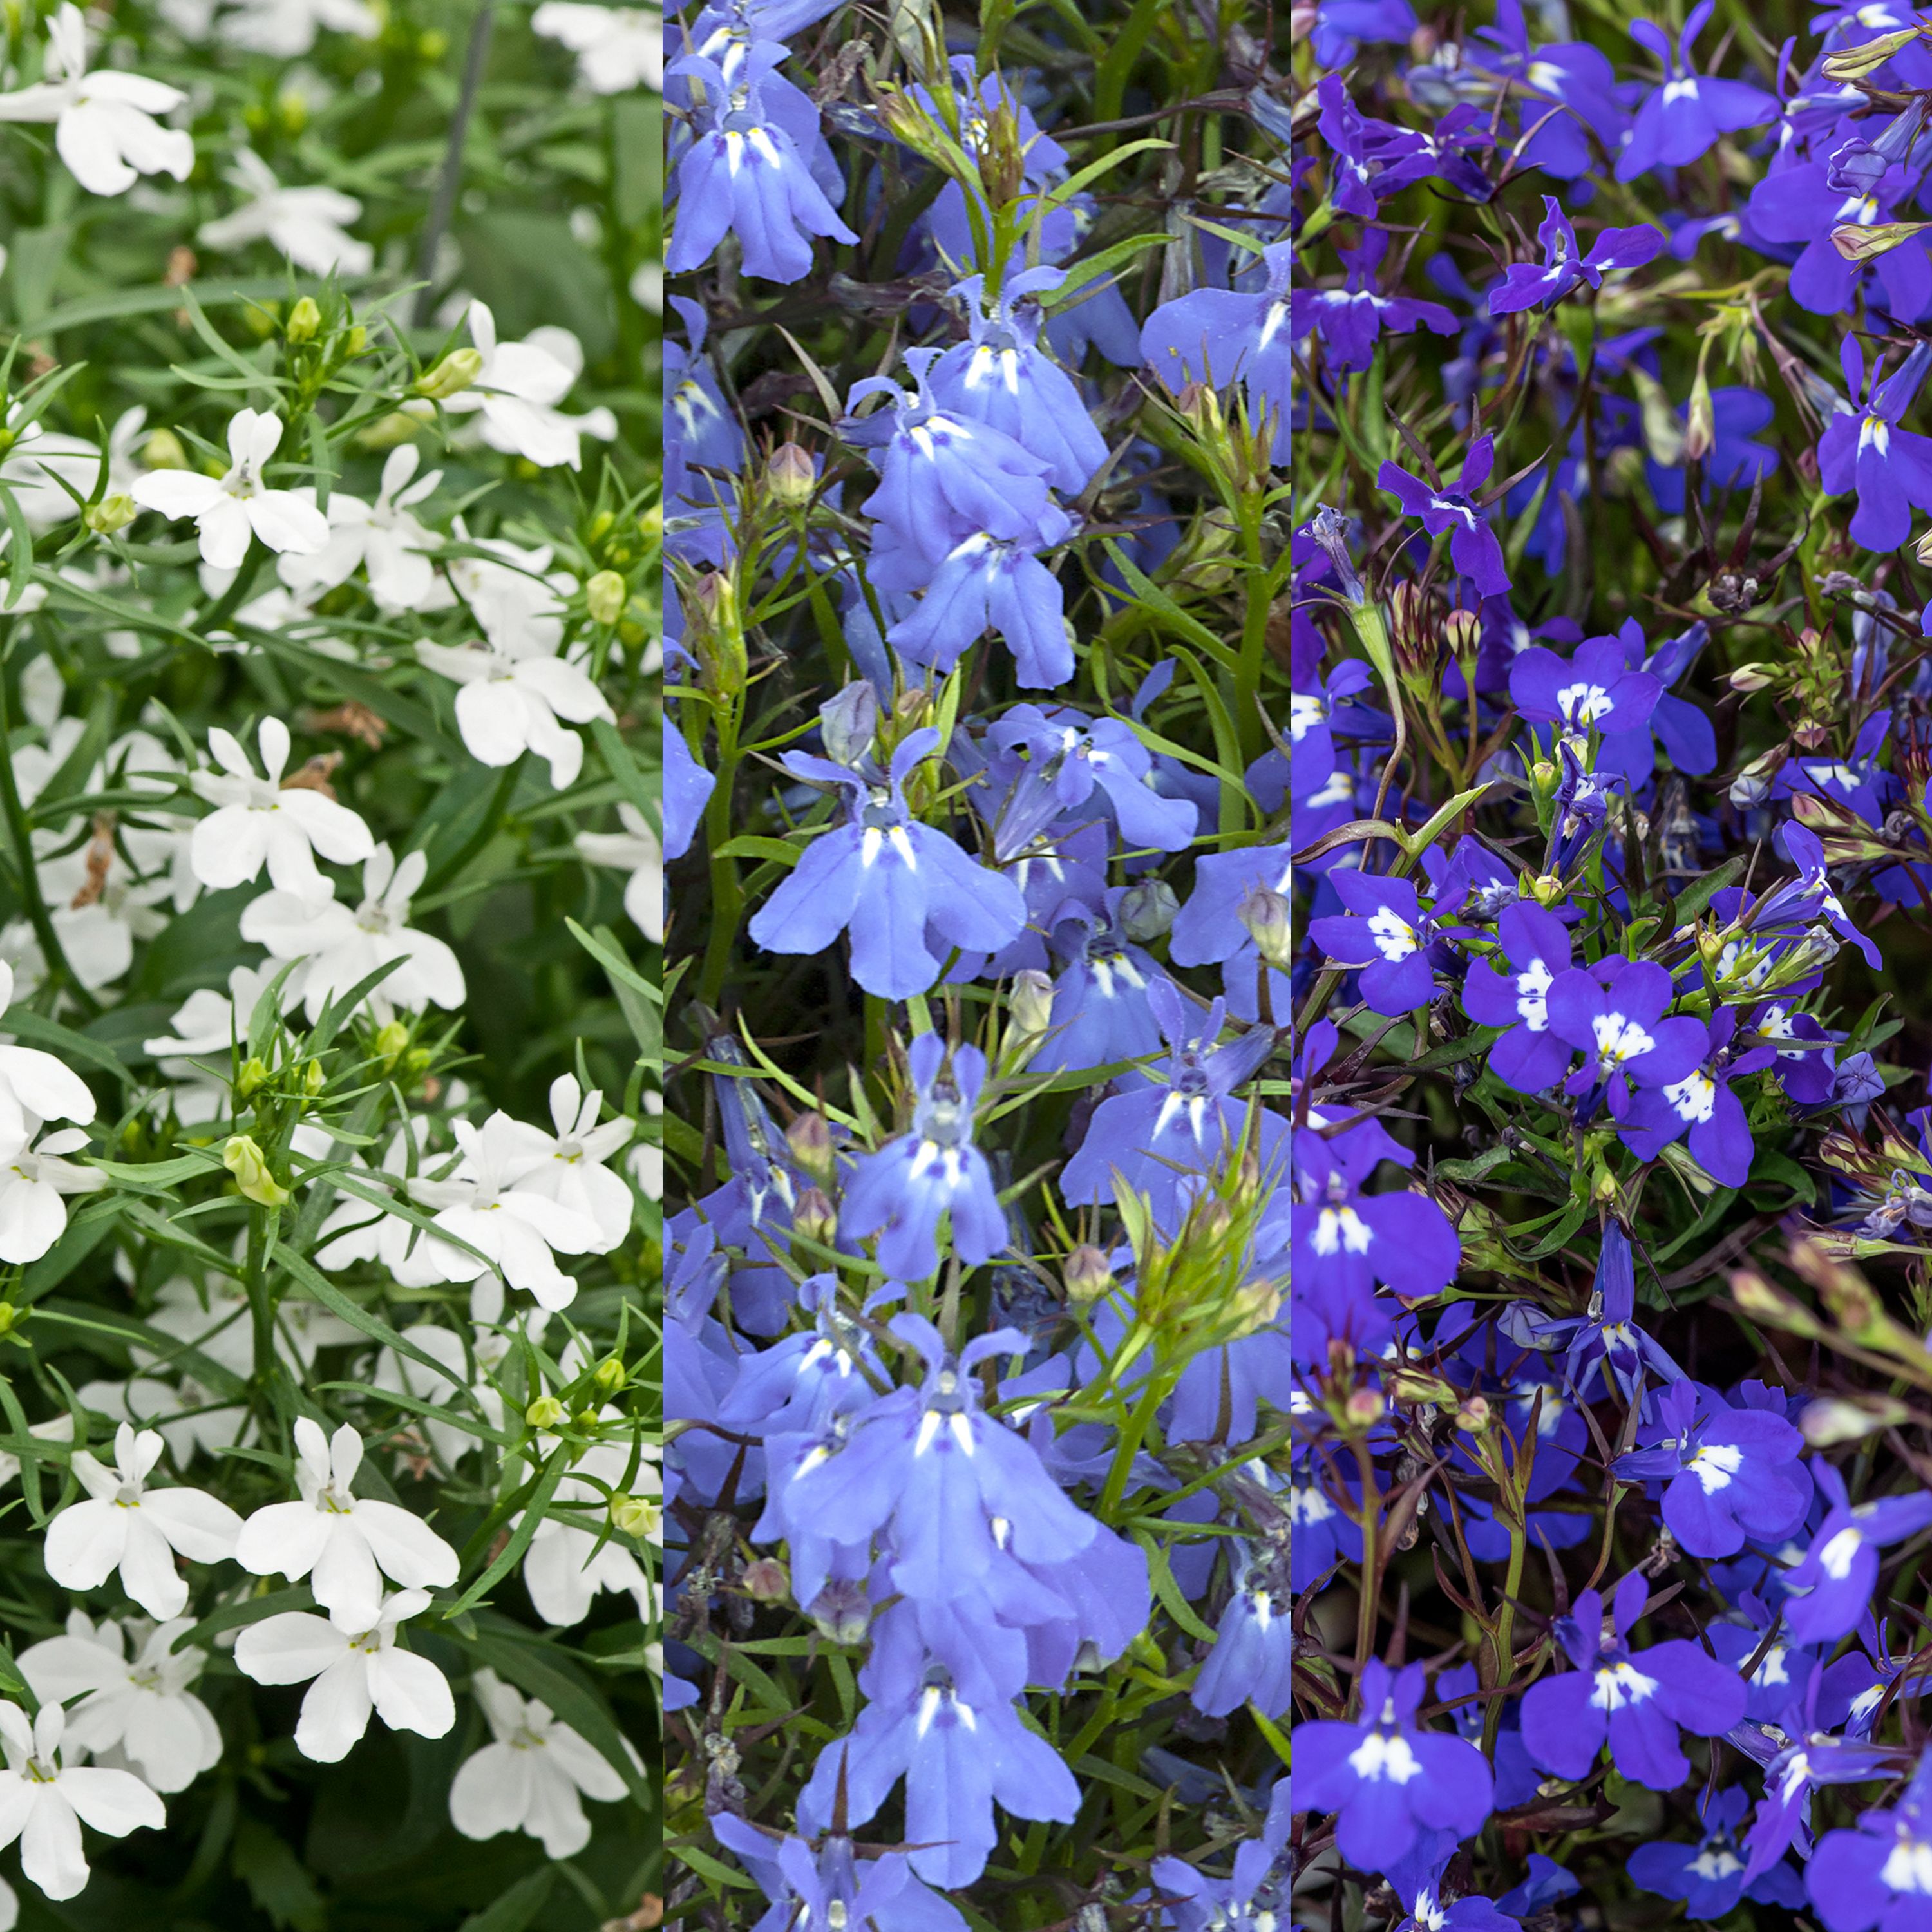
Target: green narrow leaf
[[534, 1504], [518, 1907]]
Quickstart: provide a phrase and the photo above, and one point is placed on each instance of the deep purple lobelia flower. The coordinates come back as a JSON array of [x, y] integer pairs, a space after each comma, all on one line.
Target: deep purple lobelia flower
[[1879, 1874], [1709, 1875], [1679, 121], [1563, 267], [1350, 320], [1417, 1884], [886, 878], [1702, 1106], [1605, 1339], [1728, 1473], [1612, 1013], [1596, 690], [1386, 934], [1536, 944], [901, 1192], [1863, 448], [1473, 548], [1391, 1785], [1636, 1700], [1826, 1594]]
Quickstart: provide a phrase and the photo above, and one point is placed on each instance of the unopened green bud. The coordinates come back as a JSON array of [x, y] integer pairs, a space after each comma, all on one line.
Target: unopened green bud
[[809, 1140], [254, 1074], [162, 450], [640, 1516], [388, 432], [609, 1375], [111, 514], [304, 322], [767, 1581], [390, 1039], [789, 477], [313, 1078], [1854, 63], [356, 341], [1700, 424], [1030, 1002], [604, 597], [546, 1412], [1086, 1276], [1364, 1409], [451, 376], [245, 1161]]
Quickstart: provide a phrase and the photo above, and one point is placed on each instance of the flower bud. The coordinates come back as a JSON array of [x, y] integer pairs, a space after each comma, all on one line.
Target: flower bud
[[162, 450], [843, 1613], [1748, 677], [451, 376], [1086, 1275], [1854, 63], [604, 597], [849, 723], [815, 1217], [1146, 910], [767, 1581], [304, 322], [790, 475], [1472, 1417], [1854, 244], [111, 514], [809, 1140], [1030, 1002], [1548, 889], [313, 1078], [388, 432], [640, 1516], [1265, 913], [254, 1074], [1700, 427], [390, 1039], [244, 1160], [609, 1374], [1462, 632], [1830, 1421], [546, 1412], [1364, 1409]]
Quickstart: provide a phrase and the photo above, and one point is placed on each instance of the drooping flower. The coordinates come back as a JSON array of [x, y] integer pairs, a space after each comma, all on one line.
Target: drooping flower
[[1636, 1699], [44, 1801], [357, 1666], [533, 1779], [123, 1525], [265, 820], [105, 129], [341, 1541], [226, 510], [1393, 1786]]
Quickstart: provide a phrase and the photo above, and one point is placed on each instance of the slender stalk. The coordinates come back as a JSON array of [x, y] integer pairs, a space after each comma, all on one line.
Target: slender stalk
[[476, 59]]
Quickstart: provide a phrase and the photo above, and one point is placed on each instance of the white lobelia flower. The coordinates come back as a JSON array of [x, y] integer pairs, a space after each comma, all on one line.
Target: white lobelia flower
[[136, 1711], [344, 947], [342, 1539], [403, 1375], [358, 1230], [104, 126], [287, 28], [189, 1416], [210, 1023], [383, 538], [306, 224], [35, 1086], [533, 1779], [574, 1174], [515, 595], [125, 1525], [486, 1202], [517, 388], [356, 1666], [617, 48], [259, 819], [511, 700], [563, 1567], [34, 1182], [44, 1802], [635, 850], [226, 508]]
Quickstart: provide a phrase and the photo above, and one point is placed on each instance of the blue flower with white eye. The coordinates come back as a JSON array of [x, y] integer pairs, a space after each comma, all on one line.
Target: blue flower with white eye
[[1418, 1883], [1864, 448], [1395, 1789], [1879, 1874], [1827, 1593], [1078, 756], [943, 477], [999, 376], [1386, 934], [1727, 1473], [1564, 267], [1101, 1011], [830, 1884], [1636, 1700], [1535, 944], [1254, 1643], [1155, 1140], [1473, 548], [887, 879], [1604, 1339], [743, 174], [1679, 121], [901, 1192], [1253, 1898], [1709, 1876]]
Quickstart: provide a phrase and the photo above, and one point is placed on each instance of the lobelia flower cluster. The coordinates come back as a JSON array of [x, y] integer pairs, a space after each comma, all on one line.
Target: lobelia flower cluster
[[1610, 1302], [978, 1376], [330, 856]]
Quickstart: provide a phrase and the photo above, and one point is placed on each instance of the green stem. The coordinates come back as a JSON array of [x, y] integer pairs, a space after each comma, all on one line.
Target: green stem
[[1504, 1636], [1367, 1607]]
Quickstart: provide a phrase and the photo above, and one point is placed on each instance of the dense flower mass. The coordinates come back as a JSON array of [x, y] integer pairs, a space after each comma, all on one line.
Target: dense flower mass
[[331, 880], [981, 1168], [1606, 874]]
